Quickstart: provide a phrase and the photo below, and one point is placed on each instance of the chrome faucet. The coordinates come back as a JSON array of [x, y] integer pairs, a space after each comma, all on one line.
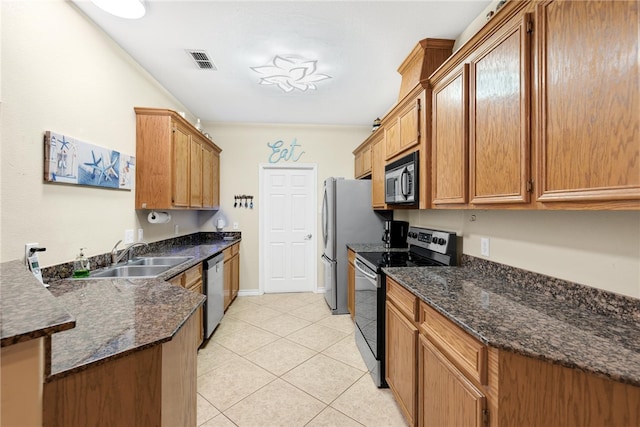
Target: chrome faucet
[[114, 252]]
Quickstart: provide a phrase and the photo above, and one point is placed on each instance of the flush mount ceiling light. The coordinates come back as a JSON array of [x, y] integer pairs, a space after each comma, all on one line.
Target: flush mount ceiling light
[[129, 9], [289, 73]]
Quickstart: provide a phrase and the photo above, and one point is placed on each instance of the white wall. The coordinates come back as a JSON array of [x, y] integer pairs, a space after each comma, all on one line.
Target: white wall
[[61, 73], [244, 148], [595, 248]]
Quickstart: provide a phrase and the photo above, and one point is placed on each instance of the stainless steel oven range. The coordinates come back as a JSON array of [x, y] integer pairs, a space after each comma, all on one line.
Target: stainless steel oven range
[[426, 248]]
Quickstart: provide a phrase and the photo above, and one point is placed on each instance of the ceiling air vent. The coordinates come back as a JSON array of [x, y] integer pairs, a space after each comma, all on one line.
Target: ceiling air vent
[[202, 60]]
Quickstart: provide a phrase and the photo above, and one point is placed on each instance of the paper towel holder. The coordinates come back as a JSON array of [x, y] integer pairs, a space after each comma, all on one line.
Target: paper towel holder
[[158, 217]]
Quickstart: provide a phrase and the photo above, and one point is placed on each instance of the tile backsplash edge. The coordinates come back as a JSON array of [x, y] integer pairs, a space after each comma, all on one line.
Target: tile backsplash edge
[[593, 299]]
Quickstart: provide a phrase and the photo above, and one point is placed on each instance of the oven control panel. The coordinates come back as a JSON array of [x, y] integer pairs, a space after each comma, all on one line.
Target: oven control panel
[[437, 241]]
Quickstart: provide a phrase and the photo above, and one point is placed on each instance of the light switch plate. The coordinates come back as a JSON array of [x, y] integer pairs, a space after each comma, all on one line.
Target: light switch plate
[[128, 236], [140, 234], [236, 225]]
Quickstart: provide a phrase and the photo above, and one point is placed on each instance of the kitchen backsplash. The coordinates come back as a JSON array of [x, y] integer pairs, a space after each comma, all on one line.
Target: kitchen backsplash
[[63, 271]]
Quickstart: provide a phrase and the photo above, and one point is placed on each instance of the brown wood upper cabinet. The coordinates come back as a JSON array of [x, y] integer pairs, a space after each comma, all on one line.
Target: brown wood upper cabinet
[[588, 75], [377, 170], [362, 159], [176, 166], [402, 126], [480, 127], [541, 109]]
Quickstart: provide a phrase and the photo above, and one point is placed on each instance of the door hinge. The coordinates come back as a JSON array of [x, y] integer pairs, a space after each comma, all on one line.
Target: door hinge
[[485, 416], [529, 27], [530, 186]]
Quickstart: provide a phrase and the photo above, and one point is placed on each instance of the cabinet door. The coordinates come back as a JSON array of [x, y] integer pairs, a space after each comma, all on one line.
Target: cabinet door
[[351, 283], [195, 175], [450, 139], [409, 122], [589, 104], [499, 140], [377, 171], [228, 274], [198, 287], [215, 172], [392, 139], [180, 172], [446, 396], [207, 177], [401, 361], [366, 161], [235, 276]]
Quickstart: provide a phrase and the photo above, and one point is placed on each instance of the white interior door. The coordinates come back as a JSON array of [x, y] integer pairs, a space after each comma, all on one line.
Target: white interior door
[[288, 245]]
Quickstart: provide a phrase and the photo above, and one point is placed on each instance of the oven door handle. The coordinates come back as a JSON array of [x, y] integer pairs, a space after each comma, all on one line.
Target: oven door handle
[[363, 269]]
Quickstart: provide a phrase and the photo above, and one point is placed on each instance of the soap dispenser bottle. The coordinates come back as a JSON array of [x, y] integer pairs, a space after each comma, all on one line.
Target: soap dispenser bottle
[[81, 265]]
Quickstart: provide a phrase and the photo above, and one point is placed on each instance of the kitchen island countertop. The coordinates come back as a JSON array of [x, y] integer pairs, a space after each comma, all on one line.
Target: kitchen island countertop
[[529, 322], [115, 317], [27, 309]]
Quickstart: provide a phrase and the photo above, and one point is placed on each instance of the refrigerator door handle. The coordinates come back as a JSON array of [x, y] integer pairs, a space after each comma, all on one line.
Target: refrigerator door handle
[[324, 219]]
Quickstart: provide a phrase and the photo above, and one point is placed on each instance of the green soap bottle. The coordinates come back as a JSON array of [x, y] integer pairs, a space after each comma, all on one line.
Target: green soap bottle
[[81, 265]]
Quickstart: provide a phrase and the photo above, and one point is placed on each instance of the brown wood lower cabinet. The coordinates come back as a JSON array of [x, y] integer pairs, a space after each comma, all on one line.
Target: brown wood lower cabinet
[[152, 387], [351, 283], [231, 274], [447, 397], [442, 376], [401, 348], [192, 279]]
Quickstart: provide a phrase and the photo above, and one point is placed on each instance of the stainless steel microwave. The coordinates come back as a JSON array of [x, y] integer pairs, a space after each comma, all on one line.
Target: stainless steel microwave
[[401, 181]]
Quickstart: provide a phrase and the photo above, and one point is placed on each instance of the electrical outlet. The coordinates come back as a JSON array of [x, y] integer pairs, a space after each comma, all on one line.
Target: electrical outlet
[[176, 229], [140, 234], [484, 246], [236, 225], [28, 246], [128, 236]]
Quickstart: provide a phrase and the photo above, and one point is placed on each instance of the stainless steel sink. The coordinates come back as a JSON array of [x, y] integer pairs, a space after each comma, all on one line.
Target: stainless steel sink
[[141, 267], [131, 271], [160, 260]]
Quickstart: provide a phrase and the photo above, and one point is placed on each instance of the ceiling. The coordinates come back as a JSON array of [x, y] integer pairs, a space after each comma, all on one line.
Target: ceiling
[[359, 44]]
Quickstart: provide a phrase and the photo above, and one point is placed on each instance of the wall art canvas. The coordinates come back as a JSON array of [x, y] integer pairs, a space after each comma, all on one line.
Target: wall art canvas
[[70, 161]]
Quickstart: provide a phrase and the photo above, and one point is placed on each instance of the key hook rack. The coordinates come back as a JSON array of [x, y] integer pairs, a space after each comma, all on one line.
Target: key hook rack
[[243, 201]]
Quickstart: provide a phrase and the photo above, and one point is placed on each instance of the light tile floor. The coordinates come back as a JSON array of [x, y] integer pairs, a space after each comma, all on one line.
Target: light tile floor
[[284, 360]]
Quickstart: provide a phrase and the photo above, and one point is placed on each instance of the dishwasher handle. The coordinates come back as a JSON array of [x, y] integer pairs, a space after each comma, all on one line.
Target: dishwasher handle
[[214, 262]]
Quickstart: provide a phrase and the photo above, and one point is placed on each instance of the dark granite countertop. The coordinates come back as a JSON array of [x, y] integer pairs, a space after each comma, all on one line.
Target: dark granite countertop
[[27, 309], [373, 247], [116, 317], [529, 322]]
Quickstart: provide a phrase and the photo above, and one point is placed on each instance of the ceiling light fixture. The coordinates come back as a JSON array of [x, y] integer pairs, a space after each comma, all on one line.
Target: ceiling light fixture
[[129, 9], [289, 73]]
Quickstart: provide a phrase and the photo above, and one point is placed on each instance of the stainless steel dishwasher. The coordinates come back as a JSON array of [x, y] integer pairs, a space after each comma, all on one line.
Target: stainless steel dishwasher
[[214, 290]]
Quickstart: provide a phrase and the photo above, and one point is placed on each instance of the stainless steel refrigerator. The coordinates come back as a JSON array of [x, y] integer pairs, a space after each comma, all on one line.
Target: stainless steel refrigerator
[[347, 217]]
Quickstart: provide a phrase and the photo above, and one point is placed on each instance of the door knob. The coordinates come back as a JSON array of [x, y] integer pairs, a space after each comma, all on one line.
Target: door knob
[[307, 237]]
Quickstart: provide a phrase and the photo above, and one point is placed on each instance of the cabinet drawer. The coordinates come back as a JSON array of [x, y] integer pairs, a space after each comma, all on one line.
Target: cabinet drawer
[[196, 287], [467, 353], [177, 281], [235, 249], [404, 300], [227, 253], [192, 275]]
